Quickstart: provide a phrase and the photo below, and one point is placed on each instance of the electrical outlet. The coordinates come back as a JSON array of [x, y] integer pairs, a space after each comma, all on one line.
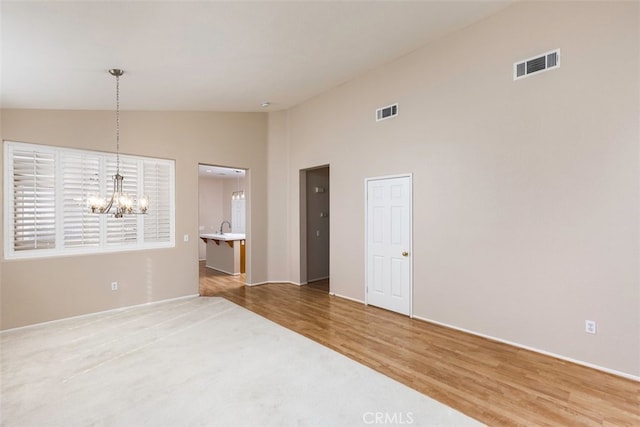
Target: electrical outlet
[[186, 237], [590, 326], [114, 286]]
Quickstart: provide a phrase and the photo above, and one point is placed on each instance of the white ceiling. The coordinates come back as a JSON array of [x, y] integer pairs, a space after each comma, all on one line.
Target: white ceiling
[[208, 55]]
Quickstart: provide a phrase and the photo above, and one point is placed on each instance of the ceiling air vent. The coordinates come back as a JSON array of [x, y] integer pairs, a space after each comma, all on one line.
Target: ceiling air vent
[[543, 62], [386, 112]]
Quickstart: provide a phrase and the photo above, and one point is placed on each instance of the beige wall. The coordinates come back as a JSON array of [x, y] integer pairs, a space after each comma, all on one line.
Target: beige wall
[[281, 241], [35, 291], [526, 194]]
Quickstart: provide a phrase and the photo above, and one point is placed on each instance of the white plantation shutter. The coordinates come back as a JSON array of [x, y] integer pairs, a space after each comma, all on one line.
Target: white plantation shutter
[[81, 178], [33, 200], [157, 187], [123, 231], [46, 212]]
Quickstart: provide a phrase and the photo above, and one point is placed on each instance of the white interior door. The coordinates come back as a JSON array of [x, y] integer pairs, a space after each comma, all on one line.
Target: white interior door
[[388, 246]]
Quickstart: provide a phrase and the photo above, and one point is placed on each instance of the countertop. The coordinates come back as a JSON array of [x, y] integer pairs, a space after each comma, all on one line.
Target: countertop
[[224, 236]]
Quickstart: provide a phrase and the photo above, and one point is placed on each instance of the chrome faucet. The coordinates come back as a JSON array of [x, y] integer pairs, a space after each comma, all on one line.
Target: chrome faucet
[[223, 223]]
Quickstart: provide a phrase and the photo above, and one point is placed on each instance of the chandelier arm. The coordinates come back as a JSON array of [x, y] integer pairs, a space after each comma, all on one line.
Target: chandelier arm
[[113, 196]]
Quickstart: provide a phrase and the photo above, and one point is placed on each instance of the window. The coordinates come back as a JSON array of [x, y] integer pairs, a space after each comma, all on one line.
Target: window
[[46, 213]]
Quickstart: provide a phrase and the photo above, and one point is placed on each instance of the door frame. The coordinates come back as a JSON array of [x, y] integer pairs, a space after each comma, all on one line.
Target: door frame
[[247, 196], [302, 182], [366, 235]]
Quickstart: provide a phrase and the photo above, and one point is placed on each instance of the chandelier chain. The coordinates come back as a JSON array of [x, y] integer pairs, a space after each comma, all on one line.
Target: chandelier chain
[[117, 124]]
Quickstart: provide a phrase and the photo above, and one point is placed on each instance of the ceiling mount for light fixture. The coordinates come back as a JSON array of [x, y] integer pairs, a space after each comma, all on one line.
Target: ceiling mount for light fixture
[[116, 72], [265, 104], [119, 200]]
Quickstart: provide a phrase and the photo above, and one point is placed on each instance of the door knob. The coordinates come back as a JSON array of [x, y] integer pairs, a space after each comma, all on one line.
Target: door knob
[[405, 253]]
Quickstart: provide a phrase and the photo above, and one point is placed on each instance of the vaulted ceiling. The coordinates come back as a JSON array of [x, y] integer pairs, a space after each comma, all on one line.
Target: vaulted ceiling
[[208, 55]]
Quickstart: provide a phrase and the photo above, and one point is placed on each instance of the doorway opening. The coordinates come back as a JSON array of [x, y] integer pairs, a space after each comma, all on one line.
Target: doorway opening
[[315, 227], [222, 228]]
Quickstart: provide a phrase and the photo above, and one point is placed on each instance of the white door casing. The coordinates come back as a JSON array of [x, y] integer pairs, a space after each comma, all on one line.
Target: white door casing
[[388, 247]]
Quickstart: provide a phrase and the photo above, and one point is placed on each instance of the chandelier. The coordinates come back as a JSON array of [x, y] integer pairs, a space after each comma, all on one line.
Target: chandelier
[[119, 203], [238, 194]]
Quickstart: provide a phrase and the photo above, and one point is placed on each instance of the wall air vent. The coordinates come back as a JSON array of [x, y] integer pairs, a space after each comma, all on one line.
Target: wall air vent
[[543, 62], [386, 112]]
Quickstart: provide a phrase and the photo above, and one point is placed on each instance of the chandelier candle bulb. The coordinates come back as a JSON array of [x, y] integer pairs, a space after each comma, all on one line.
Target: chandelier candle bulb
[[96, 203], [126, 203], [143, 204]]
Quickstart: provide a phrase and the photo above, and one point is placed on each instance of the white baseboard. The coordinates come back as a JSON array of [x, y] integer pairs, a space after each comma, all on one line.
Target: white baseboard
[[511, 343], [111, 310], [345, 297], [315, 279], [535, 350], [222, 271], [268, 282], [514, 344]]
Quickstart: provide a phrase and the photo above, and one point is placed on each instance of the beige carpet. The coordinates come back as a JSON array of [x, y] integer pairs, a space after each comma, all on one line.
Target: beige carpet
[[194, 362]]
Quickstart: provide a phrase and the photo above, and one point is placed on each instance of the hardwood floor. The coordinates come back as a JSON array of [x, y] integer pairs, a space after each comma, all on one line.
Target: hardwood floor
[[213, 282], [319, 285], [494, 383]]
